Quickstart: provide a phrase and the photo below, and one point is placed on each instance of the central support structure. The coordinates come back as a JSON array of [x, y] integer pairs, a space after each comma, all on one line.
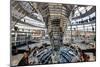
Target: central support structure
[[57, 22], [56, 18], [56, 37]]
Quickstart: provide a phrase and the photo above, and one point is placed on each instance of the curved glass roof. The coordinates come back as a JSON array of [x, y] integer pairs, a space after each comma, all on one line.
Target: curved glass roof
[[81, 10]]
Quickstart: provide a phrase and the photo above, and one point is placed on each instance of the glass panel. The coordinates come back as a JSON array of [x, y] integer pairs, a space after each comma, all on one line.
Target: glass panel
[[82, 10], [88, 8]]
